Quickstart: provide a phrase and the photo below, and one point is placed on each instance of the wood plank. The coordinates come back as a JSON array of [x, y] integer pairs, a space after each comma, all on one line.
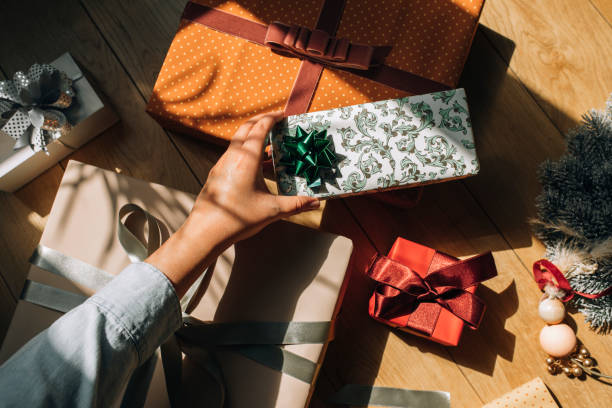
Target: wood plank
[[7, 298], [562, 53], [513, 137], [140, 34], [136, 146], [604, 7]]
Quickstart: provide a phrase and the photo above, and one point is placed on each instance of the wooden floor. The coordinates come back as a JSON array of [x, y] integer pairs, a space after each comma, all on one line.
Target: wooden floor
[[535, 67]]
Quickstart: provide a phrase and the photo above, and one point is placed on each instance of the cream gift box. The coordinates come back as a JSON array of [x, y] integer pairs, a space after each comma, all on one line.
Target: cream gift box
[[270, 277], [375, 146], [88, 117]]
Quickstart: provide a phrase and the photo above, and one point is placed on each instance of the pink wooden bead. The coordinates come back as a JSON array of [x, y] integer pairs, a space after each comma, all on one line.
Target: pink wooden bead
[[558, 340]]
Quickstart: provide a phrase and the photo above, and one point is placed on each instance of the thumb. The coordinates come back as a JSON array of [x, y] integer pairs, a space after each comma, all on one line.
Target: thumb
[[290, 205]]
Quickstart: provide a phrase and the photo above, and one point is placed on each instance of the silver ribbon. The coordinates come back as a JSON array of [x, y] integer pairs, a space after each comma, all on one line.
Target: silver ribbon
[[366, 395], [52, 298], [29, 106]]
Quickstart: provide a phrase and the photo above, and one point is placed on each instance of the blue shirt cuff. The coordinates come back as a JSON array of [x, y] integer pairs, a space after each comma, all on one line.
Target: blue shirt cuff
[[143, 302]]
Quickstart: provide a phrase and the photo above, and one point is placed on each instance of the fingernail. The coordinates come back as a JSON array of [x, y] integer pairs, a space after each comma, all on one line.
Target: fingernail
[[312, 205]]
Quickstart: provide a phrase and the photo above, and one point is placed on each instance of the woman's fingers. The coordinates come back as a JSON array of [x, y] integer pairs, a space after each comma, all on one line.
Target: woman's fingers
[[290, 205], [254, 141], [244, 129]]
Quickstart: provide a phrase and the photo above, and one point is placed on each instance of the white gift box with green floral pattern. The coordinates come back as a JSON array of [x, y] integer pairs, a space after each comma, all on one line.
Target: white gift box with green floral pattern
[[375, 146]]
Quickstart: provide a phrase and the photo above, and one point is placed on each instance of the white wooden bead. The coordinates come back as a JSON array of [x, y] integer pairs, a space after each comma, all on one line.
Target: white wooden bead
[[551, 310]]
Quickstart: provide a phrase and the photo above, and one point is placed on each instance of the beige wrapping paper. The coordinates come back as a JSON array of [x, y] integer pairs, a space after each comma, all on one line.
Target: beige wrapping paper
[[270, 277], [533, 394]]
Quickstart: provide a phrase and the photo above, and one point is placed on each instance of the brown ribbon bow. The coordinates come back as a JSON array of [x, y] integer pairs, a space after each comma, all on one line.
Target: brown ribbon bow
[[401, 292], [319, 46]]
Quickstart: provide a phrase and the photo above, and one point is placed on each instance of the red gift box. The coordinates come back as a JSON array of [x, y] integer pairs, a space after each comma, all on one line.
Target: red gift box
[[428, 293]]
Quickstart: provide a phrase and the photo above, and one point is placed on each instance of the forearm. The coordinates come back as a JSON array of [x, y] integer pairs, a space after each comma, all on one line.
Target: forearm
[[86, 357], [185, 255]]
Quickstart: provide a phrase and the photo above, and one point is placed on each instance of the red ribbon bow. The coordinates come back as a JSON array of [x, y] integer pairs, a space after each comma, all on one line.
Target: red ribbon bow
[[402, 292], [546, 273], [319, 46]]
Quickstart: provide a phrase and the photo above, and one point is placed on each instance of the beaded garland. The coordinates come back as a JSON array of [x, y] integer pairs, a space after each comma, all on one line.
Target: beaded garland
[[565, 353]]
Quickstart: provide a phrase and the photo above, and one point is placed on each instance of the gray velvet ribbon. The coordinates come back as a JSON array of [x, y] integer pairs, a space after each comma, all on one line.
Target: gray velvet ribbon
[[259, 341], [52, 298], [31, 103], [365, 395]]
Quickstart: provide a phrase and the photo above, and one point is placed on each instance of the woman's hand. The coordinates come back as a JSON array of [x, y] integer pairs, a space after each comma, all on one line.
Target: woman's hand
[[234, 204], [235, 199]]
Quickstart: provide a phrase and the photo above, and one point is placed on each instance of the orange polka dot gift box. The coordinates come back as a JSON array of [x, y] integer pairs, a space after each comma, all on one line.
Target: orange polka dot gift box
[[232, 59]]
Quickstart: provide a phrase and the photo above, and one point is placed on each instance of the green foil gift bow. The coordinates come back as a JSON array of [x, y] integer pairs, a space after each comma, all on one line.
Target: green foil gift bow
[[308, 155]]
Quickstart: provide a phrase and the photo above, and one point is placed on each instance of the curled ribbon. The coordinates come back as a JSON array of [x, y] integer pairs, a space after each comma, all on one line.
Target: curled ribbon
[[29, 106], [403, 292], [546, 273], [318, 45], [308, 155]]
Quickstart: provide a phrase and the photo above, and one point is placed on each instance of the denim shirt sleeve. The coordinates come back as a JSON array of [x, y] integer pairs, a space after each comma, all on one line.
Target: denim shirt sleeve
[[86, 357]]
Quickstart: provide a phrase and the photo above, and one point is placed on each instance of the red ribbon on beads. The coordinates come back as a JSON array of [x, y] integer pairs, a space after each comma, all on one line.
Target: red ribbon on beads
[[546, 272]]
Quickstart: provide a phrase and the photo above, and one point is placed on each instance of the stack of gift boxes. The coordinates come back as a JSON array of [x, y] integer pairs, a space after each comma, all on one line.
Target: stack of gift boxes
[[370, 105]]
